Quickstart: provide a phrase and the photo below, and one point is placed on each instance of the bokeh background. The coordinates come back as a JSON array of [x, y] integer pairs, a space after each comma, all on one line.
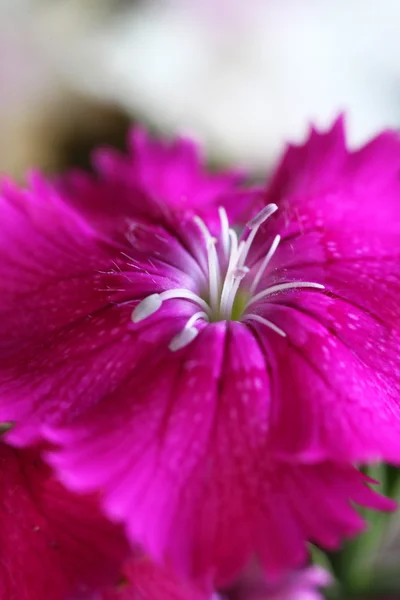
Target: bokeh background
[[242, 76]]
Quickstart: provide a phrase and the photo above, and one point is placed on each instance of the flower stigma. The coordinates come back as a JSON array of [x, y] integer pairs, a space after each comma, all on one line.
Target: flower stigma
[[231, 288]]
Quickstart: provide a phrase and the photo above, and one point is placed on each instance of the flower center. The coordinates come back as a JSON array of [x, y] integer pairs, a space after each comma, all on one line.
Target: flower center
[[231, 288]]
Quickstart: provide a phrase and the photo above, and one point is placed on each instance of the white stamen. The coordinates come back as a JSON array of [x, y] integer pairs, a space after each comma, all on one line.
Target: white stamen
[[265, 264], [237, 270], [262, 216], [214, 275], [204, 230], [234, 244], [182, 293], [196, 317], [254, 225], [233, 278], [281, 287], [266, 322], [224, 229], [152, 303], [146, 308], [188, 333], [182, 339], [222, 291], [213, 263], [240, 272], [230, 272]]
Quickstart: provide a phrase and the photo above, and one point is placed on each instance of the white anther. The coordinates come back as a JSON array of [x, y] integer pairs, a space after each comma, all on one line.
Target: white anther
[[240, 272], [182, 339], [254, 225], [146, 308], [196, 317], [262, 216]]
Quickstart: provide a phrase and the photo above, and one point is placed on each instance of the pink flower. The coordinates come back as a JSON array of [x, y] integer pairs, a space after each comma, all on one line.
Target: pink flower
[[194, 378], [52, 543]]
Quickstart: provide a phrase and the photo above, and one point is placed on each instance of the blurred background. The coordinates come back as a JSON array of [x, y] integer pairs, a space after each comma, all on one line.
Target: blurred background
[[242, 76]]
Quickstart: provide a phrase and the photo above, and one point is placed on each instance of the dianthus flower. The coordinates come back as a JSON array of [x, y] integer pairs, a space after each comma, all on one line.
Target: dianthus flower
[[53, 544], [209, 383]]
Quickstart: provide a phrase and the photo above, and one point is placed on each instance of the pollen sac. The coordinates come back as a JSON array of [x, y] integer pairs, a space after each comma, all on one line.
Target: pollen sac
[[146, 308], [183, 338]]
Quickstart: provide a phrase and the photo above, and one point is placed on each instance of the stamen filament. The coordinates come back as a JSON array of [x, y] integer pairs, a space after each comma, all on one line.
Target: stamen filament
[[213, 263], [281, 287], [254, 225], [229, 275], [204, 229], [240, 273], [264, 264], [262, 216], [224, 230], [182, 293], [234, 247], [266, 322], [196, 317]]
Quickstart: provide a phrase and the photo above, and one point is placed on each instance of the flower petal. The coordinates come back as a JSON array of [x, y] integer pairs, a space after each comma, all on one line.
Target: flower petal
[[53, 544], [67, 295], [154, 181], [183, 459], [336, 379], [340, 227], [321, 184], [144, 580]]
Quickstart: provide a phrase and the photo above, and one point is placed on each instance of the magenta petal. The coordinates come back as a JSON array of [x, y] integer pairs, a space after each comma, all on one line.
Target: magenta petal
[[336, 375], [342, 398], [175, 173], [238, 444], [144, 442], [53, 544], [66, 333], [322, 184], [154, 182], [144, 580], [183, 459], [345, 203]]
